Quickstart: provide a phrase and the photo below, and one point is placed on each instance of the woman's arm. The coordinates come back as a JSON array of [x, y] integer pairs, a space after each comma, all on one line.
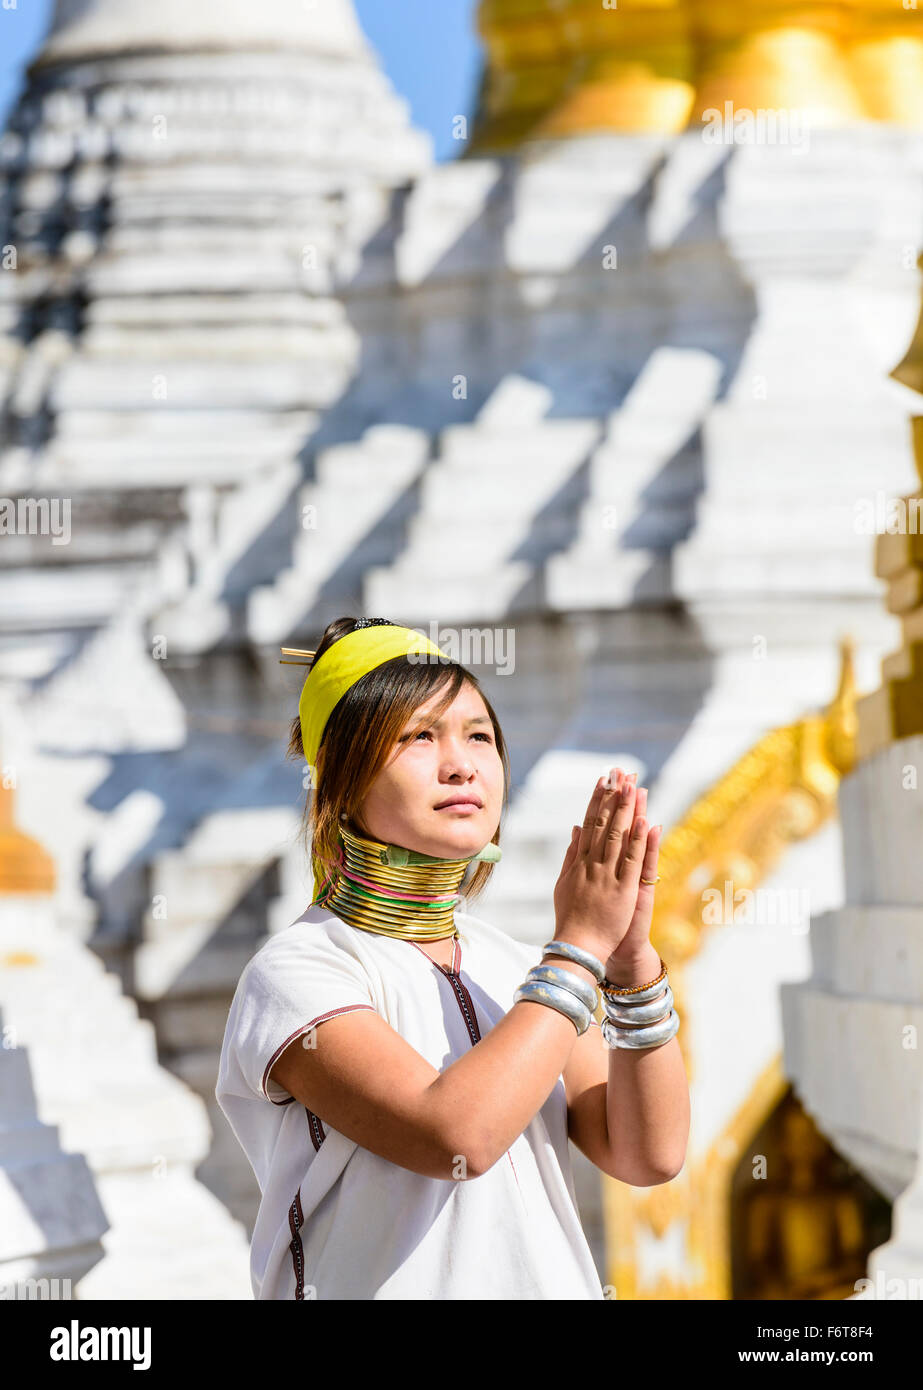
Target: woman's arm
[[628, 1111], [361, 1077]]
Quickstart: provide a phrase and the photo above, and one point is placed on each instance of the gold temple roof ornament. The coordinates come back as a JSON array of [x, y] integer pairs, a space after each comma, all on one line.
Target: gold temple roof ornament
[[909, 371], [781, 790], [560, 68], [895, 710]]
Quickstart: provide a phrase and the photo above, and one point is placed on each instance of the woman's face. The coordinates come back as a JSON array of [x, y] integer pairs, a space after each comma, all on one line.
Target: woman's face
[[432, 763]]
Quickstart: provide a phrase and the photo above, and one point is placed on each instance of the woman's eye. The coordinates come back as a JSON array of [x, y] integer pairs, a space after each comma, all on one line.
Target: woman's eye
[[476, 735]]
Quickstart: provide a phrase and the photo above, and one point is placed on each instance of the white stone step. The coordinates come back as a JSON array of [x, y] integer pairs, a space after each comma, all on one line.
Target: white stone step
[[127, 466], [703, 573], [779, 521], [194, 888], [582, 579], [196, 384], [542, 449], [400, 589], [440, 545], [531, 464], [173, 429], [68, 595], [632, 525], [387, 452], [617, 473], [356, 487]]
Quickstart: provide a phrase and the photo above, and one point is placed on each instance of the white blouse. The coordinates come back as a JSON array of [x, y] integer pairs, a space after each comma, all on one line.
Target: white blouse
[[338, 1222]]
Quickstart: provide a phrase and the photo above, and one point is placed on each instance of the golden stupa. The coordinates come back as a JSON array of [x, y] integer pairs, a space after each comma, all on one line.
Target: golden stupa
[[25, 867], [558, 68]]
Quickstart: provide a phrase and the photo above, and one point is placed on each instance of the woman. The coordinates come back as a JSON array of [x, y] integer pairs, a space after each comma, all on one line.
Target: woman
[[403, 1076]]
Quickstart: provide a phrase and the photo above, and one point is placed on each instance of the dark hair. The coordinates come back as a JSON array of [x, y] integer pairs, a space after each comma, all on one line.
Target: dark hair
[[360, 735]]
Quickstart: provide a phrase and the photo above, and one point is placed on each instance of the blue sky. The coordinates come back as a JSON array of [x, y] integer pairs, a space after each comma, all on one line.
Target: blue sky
[[429, 49]]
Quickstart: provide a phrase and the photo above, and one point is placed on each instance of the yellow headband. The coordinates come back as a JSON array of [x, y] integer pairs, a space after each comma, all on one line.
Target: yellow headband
[[342, 664]]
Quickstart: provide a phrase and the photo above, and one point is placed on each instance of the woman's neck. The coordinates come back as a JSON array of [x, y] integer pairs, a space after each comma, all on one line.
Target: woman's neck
[[370, 888]]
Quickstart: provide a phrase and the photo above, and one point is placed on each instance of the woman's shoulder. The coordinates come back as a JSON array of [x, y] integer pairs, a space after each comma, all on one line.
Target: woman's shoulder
[[317, 934]]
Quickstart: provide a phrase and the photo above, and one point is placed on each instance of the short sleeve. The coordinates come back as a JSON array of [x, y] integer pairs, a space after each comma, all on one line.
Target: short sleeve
[[293, 983]]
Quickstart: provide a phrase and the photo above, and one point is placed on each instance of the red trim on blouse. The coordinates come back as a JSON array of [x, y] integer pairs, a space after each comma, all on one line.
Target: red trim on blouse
[[295, 1223], [321, 1018]]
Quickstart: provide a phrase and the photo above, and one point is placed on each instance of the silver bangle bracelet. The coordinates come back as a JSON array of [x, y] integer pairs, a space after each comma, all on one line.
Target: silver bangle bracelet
[[577, 954], [554, 975], [640, 996], [639, 1038], [563, 1000], [640, 1013]]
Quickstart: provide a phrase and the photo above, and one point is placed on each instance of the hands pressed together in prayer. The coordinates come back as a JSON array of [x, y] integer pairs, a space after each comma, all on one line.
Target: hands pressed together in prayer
[[600, 901]]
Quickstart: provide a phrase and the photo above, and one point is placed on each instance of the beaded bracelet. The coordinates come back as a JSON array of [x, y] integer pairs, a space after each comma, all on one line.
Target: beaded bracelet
[[610, 988]]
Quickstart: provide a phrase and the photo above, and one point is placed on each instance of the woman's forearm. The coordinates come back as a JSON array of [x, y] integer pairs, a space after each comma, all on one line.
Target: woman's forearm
[[647, 1103], [647, 1096], [489, 1096]]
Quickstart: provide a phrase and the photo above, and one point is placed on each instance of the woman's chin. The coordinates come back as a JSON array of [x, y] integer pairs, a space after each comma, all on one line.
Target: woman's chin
[[458, 842]]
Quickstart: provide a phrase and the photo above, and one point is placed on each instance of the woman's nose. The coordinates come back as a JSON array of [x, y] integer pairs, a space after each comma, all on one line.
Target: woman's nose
[[461, 764]]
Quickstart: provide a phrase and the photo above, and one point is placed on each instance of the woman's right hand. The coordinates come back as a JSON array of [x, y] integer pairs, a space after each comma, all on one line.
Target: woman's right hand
[[596, 895]]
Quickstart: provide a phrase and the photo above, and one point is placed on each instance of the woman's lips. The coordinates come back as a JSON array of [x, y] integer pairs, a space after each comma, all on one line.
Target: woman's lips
[[462, 807]]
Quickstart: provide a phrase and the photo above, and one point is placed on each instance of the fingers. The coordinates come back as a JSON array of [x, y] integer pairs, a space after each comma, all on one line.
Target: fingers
[[599, 815], [616, 831], [639, 810], [593, 810], [611, 818], [604, 804], [651, 857], [635, 857], [571, 854]]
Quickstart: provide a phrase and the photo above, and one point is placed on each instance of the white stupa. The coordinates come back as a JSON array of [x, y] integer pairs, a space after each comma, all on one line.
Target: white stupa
[[92, 28]]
